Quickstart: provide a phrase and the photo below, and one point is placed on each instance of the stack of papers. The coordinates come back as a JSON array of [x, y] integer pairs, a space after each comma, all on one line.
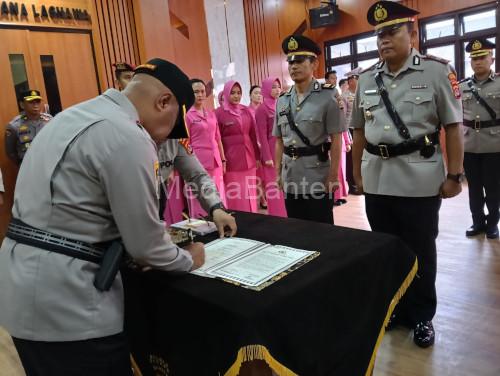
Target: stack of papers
[[249, 263]]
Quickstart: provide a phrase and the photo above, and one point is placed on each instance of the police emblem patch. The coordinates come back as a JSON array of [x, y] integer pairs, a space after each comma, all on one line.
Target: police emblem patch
[[293, 44], [454, 85], [380, 13], [476, 45]]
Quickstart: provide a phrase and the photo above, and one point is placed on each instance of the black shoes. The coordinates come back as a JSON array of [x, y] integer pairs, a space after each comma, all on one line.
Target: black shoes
[[423, 334], [475, 230], [492, 233]]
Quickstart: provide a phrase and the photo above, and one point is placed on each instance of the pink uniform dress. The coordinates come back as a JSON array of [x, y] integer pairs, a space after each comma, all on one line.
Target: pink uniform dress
[[237, 131], [264, 119], [204, 137], [343, 189]]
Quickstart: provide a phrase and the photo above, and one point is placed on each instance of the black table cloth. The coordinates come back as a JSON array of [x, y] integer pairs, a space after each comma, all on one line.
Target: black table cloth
[[326, 318]]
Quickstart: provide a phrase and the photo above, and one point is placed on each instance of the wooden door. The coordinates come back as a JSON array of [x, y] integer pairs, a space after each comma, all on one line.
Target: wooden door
[[59, 64]]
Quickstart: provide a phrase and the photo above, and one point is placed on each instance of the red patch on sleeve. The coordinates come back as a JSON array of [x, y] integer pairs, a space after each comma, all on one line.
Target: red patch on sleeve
[[454, 85], [186, 145]]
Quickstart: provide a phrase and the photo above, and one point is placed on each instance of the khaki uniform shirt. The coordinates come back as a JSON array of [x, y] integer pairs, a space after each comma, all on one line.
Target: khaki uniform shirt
[[20, 133], [486, 140], [425, 96], [91, 175], [172, 155], [317, 116], [348, 98]]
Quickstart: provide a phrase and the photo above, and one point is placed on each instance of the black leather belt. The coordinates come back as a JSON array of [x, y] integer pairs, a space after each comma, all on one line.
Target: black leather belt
[[423, 143], [295, 152], [477, 125], [26, 234]]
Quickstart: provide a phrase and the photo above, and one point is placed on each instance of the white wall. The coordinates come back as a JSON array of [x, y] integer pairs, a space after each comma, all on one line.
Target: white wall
[[228, 44]]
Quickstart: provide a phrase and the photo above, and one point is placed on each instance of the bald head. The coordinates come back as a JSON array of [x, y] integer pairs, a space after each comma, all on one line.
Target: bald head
[[155, 103]]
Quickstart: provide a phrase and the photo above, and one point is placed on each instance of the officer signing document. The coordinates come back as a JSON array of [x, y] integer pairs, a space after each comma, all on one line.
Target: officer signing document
[[88, 184]]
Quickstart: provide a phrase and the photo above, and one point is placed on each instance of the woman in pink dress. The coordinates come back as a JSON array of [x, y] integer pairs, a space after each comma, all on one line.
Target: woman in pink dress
[[237, 130], [255, 98], [264, 119], [205, 140]]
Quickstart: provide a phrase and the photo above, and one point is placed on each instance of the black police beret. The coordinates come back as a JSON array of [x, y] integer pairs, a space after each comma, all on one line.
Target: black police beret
[[388, 14], [123, 67], [172, 77], [299, 45], [479, 47], [29, 95]]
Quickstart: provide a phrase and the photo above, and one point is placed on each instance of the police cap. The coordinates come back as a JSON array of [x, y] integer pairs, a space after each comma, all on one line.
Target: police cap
[[298, 47], [123, 67], [30, 95], [386, 15], [479, 47], [172, 77]]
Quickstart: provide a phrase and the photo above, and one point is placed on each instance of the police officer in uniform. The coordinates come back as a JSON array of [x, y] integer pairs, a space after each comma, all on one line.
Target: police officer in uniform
[[90, 183], [176, 153], [481, 103], [399, 106], [308, 127], [123, 74], [22, 130]]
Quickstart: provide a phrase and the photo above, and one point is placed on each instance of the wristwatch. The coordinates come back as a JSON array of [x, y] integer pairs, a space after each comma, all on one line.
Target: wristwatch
[[219, 205], [458, 178]]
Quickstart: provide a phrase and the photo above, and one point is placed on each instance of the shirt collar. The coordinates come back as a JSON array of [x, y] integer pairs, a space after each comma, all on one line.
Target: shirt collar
[[122, 101], [414, 61], [491, 77]]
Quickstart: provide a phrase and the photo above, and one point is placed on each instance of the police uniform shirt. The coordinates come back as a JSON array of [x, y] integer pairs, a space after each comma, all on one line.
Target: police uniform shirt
[[20, 132], [317, 116], [425, 94], [485, 140], [99, 182], [348, 98], [172, 154]]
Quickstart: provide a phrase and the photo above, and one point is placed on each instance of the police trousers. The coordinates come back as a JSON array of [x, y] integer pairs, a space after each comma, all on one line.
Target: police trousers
[[483, 177], [106, 356], [415, 220], [317, 207]]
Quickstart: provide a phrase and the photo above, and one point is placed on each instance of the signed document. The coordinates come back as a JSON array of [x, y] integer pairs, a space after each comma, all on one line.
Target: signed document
[[249, 263], [221, 251]]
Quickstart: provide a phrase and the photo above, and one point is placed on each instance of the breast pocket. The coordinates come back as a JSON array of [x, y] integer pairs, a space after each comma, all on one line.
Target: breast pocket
[[371, 106], [283, 126], [422, 108]]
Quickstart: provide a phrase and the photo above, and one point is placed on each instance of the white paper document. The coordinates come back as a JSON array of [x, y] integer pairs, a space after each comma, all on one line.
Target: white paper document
[[248, 262]]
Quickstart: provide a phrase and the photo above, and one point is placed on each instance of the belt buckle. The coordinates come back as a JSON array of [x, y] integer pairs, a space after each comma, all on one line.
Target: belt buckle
[[294, 155], [384, 151], [477, 125]]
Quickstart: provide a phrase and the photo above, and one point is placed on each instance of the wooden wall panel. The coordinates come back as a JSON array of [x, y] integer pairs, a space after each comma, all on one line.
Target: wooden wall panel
[[114, 35], [190, 38], [288, 15]]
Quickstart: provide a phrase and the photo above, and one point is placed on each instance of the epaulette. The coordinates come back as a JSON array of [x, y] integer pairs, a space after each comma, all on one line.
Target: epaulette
[[289, 91], [45, 116], [435, 58], [328, 86], [464, 80], [372, 67]]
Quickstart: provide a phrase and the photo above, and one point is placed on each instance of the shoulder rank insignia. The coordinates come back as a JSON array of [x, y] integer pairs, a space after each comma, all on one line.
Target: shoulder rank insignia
[[45, 117], [184, 142], [377, 65], [327, 86], [435, 58], [316, 86]]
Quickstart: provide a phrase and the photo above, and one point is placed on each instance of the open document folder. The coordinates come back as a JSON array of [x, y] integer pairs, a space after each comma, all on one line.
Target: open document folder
[[250, 263]]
